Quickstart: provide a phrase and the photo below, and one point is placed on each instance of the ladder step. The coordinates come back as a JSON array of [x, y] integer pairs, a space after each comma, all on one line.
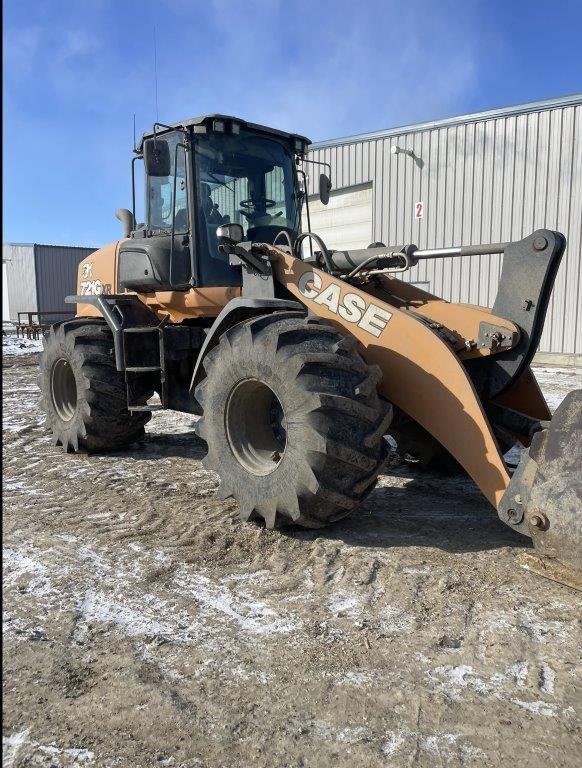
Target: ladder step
[[143, 368], [155, 407], [130, 350]]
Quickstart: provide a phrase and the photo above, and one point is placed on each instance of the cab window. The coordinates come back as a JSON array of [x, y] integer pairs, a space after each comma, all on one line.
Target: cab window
[[160, 204]]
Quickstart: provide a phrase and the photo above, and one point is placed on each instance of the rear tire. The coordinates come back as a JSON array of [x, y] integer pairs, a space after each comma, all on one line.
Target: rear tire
[[84, 395], [292, 420]]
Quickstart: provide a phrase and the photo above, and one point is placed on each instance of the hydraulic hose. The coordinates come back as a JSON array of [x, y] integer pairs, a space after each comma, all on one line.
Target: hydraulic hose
[[324, 251]]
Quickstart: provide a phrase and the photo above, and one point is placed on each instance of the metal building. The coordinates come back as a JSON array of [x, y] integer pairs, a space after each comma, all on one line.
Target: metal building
[[37, 277], [487, 177]]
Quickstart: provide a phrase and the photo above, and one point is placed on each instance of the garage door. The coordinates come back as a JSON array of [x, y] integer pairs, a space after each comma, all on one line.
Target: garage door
[[346, 222]]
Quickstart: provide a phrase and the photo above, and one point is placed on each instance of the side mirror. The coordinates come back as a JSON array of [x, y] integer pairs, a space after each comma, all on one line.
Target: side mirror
[[324, 188], [156, 157], [126, 218], [230, 233]]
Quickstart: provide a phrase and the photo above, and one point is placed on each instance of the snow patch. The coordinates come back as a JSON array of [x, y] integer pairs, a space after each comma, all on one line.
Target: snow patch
[[345, 604], [10, 746], [393, 744], [437, 744], [537, 707], [17, 565], [452, 681], [21, 486], [44, 754], [250, 614], [547, 679], [12, 345], [557, 382], [96, 606], [525, 620], [351, 735], [517, 672], [357, 679]]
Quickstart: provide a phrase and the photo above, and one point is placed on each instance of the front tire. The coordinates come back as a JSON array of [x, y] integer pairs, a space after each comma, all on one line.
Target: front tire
[[84, 395], [292, 420]]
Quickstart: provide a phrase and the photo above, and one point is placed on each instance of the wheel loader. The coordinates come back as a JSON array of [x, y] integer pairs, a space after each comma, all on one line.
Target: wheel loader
[[300, 359]]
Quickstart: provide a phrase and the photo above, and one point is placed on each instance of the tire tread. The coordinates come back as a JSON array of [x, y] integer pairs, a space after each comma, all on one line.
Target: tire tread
[[349, 420]]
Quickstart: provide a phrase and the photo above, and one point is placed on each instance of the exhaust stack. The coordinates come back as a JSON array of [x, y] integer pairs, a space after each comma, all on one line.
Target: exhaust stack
[[126, 218]]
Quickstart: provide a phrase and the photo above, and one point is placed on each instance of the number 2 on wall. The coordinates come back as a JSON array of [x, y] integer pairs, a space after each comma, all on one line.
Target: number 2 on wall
[[419, 210]]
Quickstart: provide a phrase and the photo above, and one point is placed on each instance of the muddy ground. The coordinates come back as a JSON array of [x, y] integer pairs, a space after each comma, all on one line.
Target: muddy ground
[[145, 626]]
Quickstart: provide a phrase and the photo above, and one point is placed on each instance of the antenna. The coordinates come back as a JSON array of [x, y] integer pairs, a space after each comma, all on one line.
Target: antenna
[[156, 73]]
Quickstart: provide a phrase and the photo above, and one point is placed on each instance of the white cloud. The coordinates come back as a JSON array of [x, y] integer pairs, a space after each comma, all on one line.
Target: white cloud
[[326, 70]]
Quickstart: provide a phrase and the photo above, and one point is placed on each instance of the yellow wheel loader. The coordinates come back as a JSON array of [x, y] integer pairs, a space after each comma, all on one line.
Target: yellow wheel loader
[[301, 359]]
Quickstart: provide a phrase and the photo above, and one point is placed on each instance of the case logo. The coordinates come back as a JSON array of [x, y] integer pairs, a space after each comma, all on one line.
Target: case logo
[[349, 306]]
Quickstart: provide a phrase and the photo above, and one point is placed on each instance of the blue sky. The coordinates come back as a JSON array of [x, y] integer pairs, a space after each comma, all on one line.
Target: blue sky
[[76, 72]]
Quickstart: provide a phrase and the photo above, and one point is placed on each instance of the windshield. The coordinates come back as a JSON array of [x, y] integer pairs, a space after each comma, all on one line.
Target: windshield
[[245, 179]]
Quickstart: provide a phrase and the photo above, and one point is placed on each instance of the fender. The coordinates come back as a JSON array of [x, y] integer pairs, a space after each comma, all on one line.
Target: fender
[[236, 311]]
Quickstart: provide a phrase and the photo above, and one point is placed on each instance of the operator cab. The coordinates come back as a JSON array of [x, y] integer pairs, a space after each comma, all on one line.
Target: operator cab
[[202, 174]]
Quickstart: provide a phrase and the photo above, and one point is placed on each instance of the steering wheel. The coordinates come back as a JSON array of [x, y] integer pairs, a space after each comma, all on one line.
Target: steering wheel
[[249, 204]]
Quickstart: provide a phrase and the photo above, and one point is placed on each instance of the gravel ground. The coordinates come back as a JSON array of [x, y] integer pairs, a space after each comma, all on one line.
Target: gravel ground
[[145, 626]]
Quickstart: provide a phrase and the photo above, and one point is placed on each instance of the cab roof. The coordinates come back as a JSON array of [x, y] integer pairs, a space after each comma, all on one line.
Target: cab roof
[[206, 123]]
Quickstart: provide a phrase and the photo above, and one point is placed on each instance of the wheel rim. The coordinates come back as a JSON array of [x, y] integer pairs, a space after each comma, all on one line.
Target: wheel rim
[[255, 426], [63, 389]]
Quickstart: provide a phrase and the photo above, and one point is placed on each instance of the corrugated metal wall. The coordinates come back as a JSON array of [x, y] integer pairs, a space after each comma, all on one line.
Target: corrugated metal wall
[[20, 274], [495, 177], [56, 275], [5, 297], [40, 276]]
